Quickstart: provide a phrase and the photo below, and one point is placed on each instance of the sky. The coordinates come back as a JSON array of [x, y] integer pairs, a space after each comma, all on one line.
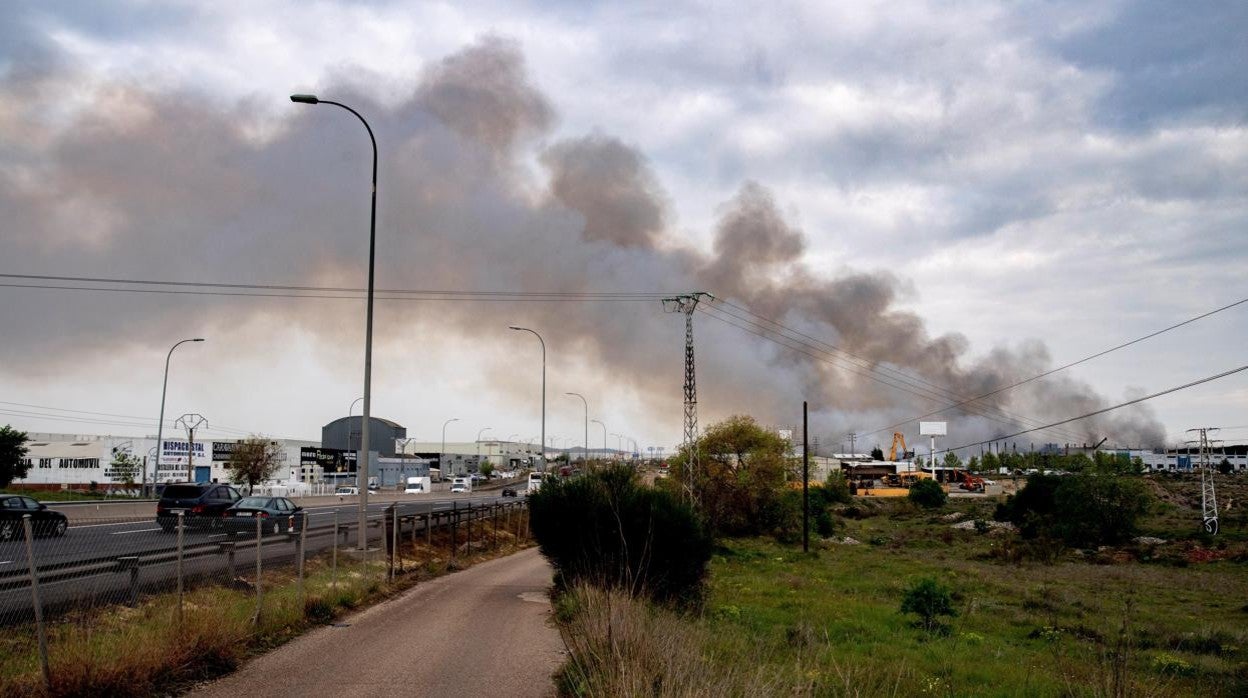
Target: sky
[[956, 196]]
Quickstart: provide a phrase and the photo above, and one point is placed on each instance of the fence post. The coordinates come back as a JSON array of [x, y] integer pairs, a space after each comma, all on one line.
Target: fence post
[[494, 520], [333, 575], [454, 527], [181, 522], [468, 544], [394, 538], [303, 546], [38, 604], [259, 594]]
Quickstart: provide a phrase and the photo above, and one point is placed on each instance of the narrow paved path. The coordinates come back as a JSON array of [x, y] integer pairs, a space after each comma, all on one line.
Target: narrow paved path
[[485, 631]]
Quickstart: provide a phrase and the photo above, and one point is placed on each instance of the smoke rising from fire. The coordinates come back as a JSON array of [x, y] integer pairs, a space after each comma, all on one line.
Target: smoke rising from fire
[[149, 185]]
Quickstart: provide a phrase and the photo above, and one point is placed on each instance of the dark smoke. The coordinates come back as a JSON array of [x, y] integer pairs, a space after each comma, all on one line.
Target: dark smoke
[[150, 185]]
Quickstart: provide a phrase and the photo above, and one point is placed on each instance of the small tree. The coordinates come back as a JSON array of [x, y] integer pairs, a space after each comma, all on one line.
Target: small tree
[[12, 455], [877, 453], [1225, 467], [952, 460], [487, 468], [929, 601], [125, 467], [928, 494], [253, 461]]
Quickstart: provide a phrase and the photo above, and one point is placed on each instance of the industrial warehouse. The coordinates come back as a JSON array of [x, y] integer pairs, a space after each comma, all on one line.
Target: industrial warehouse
[[64, 461]]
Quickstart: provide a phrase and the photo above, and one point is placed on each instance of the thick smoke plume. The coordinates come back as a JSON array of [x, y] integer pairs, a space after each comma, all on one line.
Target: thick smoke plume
[[150, 185]]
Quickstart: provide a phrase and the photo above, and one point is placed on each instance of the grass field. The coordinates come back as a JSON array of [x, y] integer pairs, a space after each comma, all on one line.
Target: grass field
[[1168, 619], [64, 495]]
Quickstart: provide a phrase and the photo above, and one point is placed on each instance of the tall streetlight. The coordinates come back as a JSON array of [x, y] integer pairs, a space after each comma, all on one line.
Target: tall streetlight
[[442, 453], [619, 441], [539, 338], [483, 430], [160, 426], [604, 437], [585, 459], [349, 411], [362, 463]]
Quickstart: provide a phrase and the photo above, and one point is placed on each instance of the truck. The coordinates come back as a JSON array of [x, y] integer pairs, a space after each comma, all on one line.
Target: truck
[[535, 482], [461, 484]]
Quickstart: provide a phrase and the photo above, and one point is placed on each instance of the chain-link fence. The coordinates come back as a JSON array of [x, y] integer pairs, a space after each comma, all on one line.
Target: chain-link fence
[[61, 577]]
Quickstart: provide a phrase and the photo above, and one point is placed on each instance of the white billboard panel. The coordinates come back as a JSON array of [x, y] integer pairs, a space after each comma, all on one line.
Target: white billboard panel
[[933, 428]]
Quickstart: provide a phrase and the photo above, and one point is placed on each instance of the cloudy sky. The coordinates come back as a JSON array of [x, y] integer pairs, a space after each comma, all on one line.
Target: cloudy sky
[[942, 198]]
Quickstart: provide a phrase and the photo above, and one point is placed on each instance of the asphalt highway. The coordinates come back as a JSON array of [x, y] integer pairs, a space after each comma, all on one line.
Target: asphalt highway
[[107, 539]]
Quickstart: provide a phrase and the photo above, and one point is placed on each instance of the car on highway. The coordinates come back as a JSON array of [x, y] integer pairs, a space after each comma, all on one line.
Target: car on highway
[[43, 521], [509, 492], [276, 514], [347, 491], [201, 504]]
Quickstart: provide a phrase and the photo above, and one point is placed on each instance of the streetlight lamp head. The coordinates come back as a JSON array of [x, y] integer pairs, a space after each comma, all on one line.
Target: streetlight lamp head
[[514, 327], [198, 339], [304, 99]]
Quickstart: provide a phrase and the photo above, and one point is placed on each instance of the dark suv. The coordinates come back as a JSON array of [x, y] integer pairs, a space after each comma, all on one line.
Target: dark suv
[[200, 502]]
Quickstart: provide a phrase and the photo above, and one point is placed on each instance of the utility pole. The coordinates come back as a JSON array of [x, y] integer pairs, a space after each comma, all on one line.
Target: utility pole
[[853, 438], [805, 482], [190, 422], [687, 304], [1208, 497]]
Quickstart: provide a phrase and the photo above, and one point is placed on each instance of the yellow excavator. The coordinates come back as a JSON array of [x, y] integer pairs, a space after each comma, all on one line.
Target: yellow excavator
[[902, 479]]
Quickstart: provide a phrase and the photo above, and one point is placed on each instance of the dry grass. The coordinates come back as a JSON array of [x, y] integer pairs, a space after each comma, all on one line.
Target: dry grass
[[623, 646]]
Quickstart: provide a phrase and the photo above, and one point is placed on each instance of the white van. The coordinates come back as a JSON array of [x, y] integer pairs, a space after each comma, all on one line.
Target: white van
[[461, 484], [416, 485], [535, 481]]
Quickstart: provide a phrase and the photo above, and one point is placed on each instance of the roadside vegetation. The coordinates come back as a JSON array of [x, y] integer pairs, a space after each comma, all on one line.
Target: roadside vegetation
[[115, 650], [1094, 584]]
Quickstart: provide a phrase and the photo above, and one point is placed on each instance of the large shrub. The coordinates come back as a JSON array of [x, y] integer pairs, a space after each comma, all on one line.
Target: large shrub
[[928, 493], [1081, 510], [607, 529], [929, 600]]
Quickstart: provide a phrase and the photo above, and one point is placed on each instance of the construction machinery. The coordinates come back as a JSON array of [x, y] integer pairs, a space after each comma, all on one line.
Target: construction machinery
[[899, 438], [967, 481]]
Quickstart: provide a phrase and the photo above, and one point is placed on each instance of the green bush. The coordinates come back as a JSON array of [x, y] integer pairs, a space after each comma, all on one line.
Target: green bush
[[929, 601], [928, 493], [607, 529], [1080, 510], [784, 517]]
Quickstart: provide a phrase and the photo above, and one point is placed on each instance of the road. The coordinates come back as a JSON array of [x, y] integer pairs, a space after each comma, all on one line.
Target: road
[[108, 538], [485, 631]]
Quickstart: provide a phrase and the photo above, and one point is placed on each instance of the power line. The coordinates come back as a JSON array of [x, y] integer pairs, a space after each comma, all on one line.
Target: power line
[[1167, 391], [643, 295], [446, 297]]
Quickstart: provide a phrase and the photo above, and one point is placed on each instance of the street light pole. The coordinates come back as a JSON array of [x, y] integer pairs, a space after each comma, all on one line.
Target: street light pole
[[539, 338], [160, 426], [604, 437], [362, 463], [585, 459], [619, 440], [349, 411], [485, 429], [442, 453]]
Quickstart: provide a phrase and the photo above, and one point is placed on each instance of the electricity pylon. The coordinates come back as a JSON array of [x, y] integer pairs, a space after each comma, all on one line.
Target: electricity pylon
[[1208, 497], [687, 304], [190, 422]]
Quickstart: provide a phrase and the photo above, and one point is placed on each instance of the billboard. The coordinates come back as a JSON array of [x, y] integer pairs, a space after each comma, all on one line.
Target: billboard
[[330, 460], [175, 453], [933, 428]]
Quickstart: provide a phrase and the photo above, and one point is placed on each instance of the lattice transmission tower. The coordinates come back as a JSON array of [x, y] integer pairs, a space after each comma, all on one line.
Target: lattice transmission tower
[[1208, 497], [687, 304]]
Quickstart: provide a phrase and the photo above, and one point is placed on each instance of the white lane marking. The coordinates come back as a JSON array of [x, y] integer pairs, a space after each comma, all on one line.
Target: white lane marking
[[6, 562], [137, 530], [116, 523]]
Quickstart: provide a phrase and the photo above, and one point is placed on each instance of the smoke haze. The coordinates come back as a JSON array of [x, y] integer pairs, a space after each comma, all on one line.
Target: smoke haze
[[143, 184]]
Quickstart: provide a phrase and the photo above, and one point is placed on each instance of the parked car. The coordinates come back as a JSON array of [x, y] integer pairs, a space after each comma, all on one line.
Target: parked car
[[347, 491], [201, 504], [509, 492], [43, 521], [277, 514]]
